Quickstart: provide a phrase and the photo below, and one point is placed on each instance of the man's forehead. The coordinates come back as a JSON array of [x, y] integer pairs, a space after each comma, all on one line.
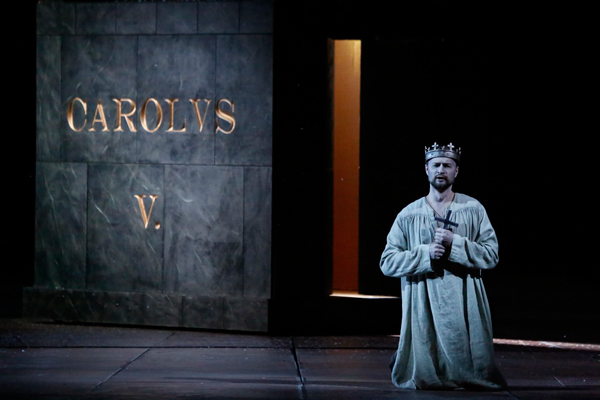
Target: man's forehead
[[442, 160]]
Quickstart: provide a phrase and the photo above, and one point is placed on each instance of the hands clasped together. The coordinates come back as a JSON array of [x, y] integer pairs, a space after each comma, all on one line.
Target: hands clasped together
[[442, 242]]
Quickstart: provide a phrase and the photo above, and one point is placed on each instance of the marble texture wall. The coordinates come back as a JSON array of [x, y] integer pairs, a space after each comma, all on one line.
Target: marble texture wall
[[202, 257]]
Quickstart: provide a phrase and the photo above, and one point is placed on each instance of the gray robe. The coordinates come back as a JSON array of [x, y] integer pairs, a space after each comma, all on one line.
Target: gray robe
[[446, 337]]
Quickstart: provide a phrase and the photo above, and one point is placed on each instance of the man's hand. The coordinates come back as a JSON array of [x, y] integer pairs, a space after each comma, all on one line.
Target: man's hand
[[436, 251], [443, 237]]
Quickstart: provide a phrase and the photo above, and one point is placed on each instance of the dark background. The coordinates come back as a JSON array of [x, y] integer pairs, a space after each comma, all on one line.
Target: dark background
[[511, 84]]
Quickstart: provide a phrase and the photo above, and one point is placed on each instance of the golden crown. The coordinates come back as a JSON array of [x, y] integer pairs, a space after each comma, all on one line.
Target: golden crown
[[436, 150]]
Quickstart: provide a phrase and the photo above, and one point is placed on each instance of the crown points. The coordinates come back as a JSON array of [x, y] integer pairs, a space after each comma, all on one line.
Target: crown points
[[448, 150]]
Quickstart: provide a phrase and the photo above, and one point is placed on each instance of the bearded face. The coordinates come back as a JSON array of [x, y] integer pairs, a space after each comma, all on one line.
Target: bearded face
[[441, 172]]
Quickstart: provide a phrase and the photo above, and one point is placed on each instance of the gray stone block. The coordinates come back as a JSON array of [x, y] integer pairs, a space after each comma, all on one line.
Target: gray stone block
[[136, 18], [101, 67], [203, 312], [95, 18], [257, 232], [203, 232], [256, 16], [48, 98], [218, 17], [244, 64], [55, 19], [53, 304], [153, 309], [251, 141], [175, 148], [60, 225], [246, 314], [177, 18], [174, 66], [123, 253]]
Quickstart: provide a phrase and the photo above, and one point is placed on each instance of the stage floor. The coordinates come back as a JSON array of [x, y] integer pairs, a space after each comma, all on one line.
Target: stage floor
[[46, 360]]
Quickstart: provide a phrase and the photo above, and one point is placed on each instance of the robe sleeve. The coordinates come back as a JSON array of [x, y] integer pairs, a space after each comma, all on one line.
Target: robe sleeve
[[398, 260], [479, 253]]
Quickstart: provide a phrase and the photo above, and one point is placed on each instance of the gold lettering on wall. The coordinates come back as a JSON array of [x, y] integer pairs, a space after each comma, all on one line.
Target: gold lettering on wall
[[146, 216], [70, 114], [159, 115], [199, 118], [77, 109], [224, 116], [172, 116], [127, 116], [99, 116]]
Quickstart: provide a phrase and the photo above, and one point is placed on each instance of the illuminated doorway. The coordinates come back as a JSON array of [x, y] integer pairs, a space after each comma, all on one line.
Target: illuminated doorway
[[346, 65]]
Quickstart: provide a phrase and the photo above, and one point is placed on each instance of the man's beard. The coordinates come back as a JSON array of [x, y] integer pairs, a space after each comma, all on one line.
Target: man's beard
[[440, 185]]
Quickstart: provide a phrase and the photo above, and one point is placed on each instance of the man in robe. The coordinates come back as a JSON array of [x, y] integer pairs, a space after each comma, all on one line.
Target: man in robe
[[446, 337]]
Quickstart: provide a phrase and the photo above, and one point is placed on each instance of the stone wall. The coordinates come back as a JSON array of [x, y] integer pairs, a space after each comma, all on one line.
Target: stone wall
[[147, 221]]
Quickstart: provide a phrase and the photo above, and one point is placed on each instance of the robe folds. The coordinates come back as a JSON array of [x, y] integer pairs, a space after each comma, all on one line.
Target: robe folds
[[446, 337]]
